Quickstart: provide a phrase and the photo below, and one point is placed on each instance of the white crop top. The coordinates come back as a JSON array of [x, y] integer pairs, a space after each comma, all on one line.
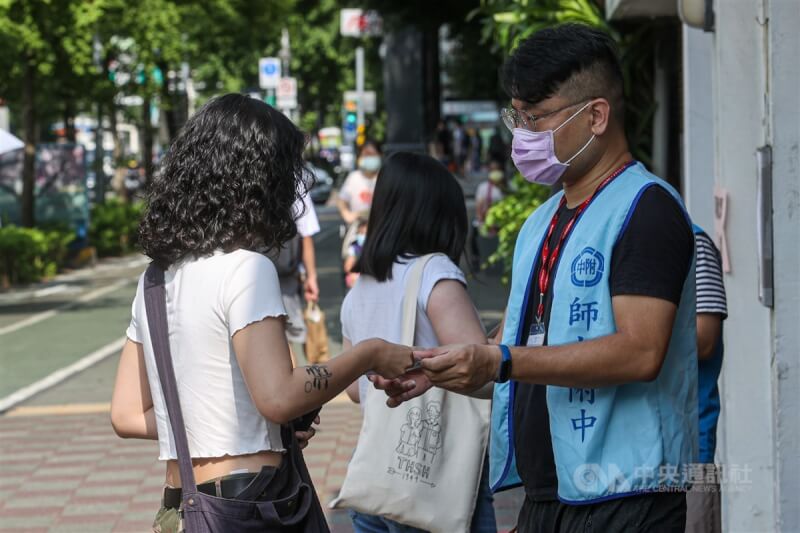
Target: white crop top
[[208, 300]]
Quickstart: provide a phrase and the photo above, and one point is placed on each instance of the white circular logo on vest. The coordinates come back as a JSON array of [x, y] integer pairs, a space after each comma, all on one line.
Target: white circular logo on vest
[[587, 268]]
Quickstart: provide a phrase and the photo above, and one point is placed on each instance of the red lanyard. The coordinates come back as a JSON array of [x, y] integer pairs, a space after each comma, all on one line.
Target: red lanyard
[[549, 260]]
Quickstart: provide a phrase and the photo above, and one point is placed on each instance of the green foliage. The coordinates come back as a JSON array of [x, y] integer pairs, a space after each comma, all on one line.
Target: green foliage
[[509, 215], [114, 226], [29, 254], [323, 61], [223, 39], [507, 22], [54, 38]]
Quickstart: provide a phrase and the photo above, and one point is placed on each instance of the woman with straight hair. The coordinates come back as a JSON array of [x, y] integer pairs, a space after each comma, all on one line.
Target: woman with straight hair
[[418, 209], [223, 197]]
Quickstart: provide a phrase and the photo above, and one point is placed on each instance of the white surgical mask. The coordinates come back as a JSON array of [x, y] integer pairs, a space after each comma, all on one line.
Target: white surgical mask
[[370, 163]]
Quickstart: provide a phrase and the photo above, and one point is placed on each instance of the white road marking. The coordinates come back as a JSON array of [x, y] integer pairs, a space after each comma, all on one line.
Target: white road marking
[[55, 289], [44, 315], [61, 374]]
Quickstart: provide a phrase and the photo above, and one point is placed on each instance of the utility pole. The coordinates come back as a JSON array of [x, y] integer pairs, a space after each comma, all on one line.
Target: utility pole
[[360, 86], [285, 56], [99, 153]]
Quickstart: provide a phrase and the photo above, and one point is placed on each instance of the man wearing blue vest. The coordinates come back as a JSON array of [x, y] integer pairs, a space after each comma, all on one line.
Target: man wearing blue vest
[[595, 394]]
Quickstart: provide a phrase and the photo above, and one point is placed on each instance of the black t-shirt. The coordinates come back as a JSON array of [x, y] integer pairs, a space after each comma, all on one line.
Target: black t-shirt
[[652, 258]]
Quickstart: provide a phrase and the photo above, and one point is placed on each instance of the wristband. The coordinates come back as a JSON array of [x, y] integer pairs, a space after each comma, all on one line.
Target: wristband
[[504, 371]]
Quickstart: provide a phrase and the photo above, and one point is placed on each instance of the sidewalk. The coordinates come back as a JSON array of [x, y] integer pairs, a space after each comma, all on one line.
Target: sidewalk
[[63, 470], [61, 466]]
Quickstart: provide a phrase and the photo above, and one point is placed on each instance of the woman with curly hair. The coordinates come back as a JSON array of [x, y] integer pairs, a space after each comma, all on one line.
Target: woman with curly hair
[[224, 196]]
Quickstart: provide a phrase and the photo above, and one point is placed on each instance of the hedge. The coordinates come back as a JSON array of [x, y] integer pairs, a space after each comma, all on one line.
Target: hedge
[[28, 255]]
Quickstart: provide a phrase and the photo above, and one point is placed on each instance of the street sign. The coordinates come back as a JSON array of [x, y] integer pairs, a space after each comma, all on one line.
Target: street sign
[[368, 103], [466, 107], [286, 93], [359, 23], [269, 72]]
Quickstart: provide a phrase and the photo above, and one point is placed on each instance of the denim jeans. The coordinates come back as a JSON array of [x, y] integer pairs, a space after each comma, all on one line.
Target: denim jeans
[[483, 519]]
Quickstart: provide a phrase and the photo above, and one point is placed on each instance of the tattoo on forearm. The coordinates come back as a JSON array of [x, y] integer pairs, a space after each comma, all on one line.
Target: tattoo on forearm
[[318, 377]]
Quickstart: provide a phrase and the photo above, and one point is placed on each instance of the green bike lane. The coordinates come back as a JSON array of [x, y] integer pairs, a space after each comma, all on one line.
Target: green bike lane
[[66, 334]]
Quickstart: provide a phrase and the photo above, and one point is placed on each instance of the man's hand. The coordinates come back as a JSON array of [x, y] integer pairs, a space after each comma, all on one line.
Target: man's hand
[[461, 368], [399, 390], [311, 289], [304, 436]]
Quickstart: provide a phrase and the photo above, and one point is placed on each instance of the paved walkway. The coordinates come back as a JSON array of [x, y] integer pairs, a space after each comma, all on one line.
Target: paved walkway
[[62, 469], [61, 466]]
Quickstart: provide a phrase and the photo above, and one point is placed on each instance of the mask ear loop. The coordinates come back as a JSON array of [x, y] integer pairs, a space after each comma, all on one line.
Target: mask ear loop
[[575, 114], [579, 152]]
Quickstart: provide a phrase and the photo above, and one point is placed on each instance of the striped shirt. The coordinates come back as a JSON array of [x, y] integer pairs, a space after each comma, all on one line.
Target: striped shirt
[[710, 289]]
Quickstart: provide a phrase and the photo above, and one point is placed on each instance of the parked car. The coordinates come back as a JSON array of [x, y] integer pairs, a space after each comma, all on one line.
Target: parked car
[[322, 186]]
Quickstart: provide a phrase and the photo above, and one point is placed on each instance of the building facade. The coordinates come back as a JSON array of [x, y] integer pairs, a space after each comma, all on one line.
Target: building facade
[[741, 161]]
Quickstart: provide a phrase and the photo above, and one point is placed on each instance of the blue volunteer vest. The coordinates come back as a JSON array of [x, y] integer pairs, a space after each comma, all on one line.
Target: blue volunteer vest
[[608, 442]]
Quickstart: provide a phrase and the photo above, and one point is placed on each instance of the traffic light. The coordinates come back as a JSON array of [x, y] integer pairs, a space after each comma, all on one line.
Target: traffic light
[[350, 116], [361, 135]]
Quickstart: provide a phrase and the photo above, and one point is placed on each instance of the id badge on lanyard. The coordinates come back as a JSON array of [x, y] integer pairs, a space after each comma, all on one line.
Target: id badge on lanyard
[[536, 335]]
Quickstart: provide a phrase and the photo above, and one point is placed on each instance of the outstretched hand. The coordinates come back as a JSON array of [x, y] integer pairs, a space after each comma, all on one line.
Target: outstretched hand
[[389, 360], [460, 368], [404, 388]]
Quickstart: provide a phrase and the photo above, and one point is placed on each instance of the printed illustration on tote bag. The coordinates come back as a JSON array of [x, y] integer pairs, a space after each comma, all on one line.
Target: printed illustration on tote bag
[[420, 439]]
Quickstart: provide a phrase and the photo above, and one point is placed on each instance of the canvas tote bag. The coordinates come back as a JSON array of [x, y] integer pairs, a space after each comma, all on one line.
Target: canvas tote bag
[[420, 463]]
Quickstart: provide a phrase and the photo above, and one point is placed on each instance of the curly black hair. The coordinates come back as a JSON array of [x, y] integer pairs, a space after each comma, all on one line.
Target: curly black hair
[[230, 180]]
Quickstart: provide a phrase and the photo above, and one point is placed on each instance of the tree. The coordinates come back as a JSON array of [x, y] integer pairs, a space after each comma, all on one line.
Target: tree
[[323, 61], [45, 40], [151, 33]]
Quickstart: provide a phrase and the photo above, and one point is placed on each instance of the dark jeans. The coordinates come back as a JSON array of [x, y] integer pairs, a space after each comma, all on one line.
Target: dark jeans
[[647, 513]]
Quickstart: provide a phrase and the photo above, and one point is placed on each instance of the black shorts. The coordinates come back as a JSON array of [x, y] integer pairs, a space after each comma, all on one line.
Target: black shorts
[[657, 512]]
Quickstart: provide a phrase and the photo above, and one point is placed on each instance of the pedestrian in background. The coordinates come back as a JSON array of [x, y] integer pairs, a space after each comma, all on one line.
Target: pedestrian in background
[[498, 148], [296, 264], [354, 252], [419, 209], [703, 510], [444, 143], [460, 147], [488, 193], [475, 149], [226, 190], [355, 196]]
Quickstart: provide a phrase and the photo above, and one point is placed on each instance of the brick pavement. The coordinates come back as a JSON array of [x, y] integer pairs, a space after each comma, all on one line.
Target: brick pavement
[[62, 472]]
